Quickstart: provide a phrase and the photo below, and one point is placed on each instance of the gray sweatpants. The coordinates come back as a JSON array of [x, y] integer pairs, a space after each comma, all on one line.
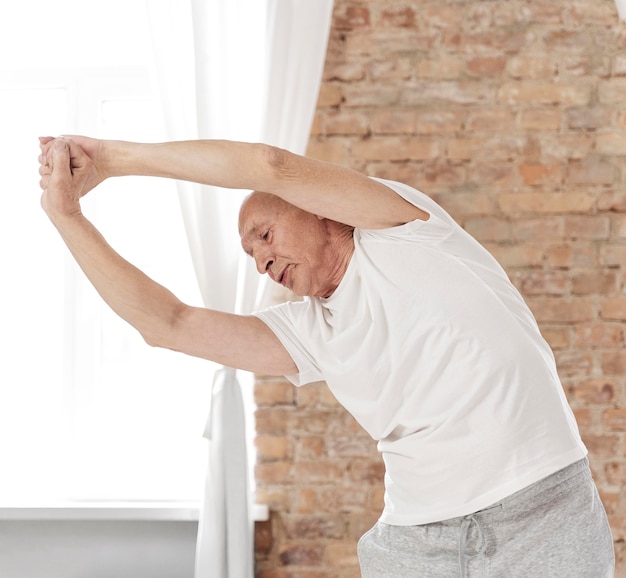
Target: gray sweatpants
[[555, 528]]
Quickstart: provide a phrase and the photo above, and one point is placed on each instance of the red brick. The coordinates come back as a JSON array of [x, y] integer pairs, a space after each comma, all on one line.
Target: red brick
[[366, 471], [397, 16], [516, 256], [371, 96], [573, 364], [601, 13], [466, 204], [534, 93], [273, 447], [273, 392], [310, 448], [396, 148], [561, 311], [393, 68], [272, 420], [274, 473], [438, 121], [614, 363], [447, 67], [613, 309], [615, 474], [542, 282], [602, 336], [348, 17], [344, 71], [314, 527], [487, 42], [546, 202], [490, 120], [618, 227], [613, 255], [540, 174], [612, 91], [591, 172], [315, 395], [301, 555], [330, 95], [615, 419], [594, 391], [489, 228], [307, 501], [589, 118], [611, 144], [441, 16], [557, 337], [342, 554], [345, 499], [569, 256], [350, 446], [542, 229], [394, 121], [587, 227], [532, 67], [447, 92], [438, 175], [263, 538], [602, 445], [485, 66], [311, 421], [593, 283], [332, 151], [317, 472], [540, 119], [346, 123], [565, 146]]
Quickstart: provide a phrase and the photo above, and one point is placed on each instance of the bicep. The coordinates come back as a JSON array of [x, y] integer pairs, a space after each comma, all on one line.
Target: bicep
[[339, 193], [239, 341]]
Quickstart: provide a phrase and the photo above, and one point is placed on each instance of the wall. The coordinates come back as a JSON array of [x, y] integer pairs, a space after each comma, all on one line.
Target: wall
[[512, 115], [98, 549]]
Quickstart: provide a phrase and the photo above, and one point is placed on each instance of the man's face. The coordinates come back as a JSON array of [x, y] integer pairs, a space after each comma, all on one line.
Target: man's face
[[288, 244]]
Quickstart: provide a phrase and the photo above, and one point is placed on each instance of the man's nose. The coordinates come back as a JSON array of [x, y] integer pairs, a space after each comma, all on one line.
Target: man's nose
[[263, 262]]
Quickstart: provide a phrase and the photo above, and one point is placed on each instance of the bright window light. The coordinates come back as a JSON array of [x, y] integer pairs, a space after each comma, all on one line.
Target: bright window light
[[87, 410]]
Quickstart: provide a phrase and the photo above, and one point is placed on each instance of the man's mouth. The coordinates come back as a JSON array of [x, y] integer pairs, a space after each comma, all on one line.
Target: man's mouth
[[282, 278]]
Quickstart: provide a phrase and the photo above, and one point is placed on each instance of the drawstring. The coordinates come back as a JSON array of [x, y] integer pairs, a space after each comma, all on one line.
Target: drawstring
[[465, 530]]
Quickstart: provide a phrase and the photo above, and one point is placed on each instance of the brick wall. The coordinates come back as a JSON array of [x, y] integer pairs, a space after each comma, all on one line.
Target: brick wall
[[512, 115]]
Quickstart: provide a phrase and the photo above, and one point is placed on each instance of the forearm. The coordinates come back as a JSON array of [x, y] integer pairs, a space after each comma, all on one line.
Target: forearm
[[139, 300], [227, 164]]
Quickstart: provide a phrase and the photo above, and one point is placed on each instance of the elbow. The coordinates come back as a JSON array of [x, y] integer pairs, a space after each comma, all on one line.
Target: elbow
[[276, 164], [162, 332]]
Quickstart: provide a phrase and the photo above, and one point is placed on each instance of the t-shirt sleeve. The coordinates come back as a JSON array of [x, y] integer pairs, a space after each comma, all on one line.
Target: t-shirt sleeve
[[288, 321], [438, 226]]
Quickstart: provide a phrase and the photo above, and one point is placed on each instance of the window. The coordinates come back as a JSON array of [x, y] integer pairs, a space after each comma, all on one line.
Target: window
[[87, 410]]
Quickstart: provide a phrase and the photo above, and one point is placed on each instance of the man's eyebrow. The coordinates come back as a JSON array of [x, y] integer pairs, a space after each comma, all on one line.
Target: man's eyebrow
[[251, 231]]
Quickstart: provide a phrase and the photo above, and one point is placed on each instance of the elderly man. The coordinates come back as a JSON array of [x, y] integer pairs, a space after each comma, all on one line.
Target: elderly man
[[414, 326]]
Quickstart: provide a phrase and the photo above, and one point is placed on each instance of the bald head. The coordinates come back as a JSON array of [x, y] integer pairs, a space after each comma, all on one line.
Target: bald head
[[304, 252]]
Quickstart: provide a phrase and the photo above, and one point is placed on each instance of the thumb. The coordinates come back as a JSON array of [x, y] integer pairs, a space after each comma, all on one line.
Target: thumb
[[60, 159], [77, 156]]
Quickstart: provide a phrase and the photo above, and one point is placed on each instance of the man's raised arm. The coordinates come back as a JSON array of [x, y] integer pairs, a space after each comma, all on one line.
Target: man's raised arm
[[237, 341], [321, 188]]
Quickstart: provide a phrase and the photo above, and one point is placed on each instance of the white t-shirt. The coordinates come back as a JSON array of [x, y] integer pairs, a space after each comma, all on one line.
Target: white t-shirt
[[432, 349]]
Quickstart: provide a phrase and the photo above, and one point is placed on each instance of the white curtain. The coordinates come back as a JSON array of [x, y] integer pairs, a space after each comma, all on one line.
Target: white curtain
[[240, 70]]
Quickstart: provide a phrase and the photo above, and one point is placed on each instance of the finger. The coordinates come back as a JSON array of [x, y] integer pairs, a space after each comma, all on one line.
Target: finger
[[59, 160], [78, 157], [44, 170]]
